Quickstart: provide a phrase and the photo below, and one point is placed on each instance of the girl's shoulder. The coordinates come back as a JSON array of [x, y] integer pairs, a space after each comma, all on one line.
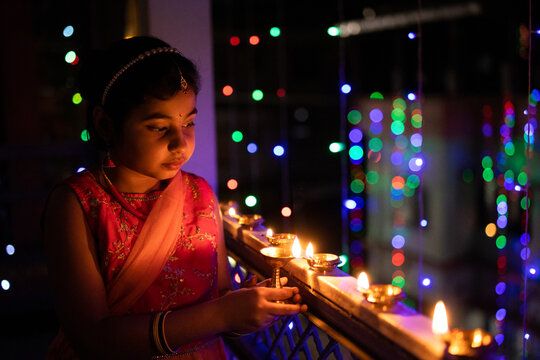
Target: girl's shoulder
[[198, 185]]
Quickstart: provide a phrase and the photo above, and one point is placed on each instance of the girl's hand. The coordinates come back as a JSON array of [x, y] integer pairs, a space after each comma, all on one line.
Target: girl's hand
[[252, 281], [254, 308]]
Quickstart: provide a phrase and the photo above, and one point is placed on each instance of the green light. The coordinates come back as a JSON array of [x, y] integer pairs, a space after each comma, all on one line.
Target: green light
[[275, 32], [344, 259], [375, 144], [356, 152], [77, 98], [251, 201], [487, 162], [509, 148], [357, 186], [333, 31], [257, 95], [509, 174], [399, 103], [522, 178], [237, 136], [85, 135], [398, 281], [413, 181], [376, 95], [501, 198], [524, 203], [70, 57], [398, 115], [354, 117], [409, 303], [487, 174], [416, 121], [501, 242], [336, 147], [467, 175], [408, 191], [372, 177], [397, 127]]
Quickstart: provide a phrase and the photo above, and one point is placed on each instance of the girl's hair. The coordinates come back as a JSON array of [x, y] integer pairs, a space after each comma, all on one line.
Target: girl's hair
[[155, 76]]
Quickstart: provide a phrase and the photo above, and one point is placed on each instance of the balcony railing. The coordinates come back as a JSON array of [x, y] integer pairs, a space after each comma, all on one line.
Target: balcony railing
[[339, 324]]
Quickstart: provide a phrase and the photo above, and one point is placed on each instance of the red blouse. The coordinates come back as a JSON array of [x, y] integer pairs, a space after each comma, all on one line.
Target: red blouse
[[189, 276]]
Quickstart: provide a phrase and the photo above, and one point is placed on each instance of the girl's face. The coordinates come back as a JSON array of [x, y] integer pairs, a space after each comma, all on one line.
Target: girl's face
[[158, 137]]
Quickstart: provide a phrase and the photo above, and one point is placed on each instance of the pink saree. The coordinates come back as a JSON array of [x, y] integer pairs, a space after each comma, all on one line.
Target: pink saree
[[157, 251]]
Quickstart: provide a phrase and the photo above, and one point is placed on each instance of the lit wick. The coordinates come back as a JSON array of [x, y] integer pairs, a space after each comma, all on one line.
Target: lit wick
[[440, 321], [362, 283], [232, 212], [380, 295], [269, 233], [296, 249], [309, 251]]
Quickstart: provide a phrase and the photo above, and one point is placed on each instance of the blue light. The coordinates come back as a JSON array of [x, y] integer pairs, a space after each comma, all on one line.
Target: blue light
[[10, 249], [68, 31], [527, 336], [398, 241], [291, 325], [356, 135], [423, 223], [279, 150], [81, 169], [5, 284], [346, 88], [411, 96], [411, 35], [500, 288], [533, 271], [426, 282], [499, 338], [500, 314], [350, 204], [252, 148]]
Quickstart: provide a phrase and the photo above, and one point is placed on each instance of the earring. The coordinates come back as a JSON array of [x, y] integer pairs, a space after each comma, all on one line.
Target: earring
[[107, 162]]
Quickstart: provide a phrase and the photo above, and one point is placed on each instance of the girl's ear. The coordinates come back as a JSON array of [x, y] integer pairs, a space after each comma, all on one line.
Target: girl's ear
[[103, 124]]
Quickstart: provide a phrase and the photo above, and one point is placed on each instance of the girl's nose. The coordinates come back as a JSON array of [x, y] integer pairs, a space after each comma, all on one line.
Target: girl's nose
[[176, 139]]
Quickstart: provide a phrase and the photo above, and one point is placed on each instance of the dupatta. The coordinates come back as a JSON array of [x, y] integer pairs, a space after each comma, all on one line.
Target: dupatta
[[153, 247]]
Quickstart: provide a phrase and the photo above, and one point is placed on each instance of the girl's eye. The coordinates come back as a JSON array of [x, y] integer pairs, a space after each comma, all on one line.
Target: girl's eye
[[189, 124], [157, 128]]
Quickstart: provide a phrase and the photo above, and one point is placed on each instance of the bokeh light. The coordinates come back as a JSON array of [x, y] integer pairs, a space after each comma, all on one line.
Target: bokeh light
[[237, 136], [279, 150], [250, 201], [227, 90], [68, 31], [232, 184], [286, 211]]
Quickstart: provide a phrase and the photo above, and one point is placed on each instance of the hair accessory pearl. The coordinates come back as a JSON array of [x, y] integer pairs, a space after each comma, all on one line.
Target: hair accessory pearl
[[183, 83]]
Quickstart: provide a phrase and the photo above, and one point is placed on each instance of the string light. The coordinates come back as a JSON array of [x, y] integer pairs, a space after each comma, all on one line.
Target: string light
[[279, 150], [275, 31], [232, 184], [254, 40], [257, 95], [237, 136], [68, 31], [234, 40], [250, 201], [227, 90]]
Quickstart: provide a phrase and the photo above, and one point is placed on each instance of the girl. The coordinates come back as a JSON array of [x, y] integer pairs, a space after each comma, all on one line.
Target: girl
[[135, 247]]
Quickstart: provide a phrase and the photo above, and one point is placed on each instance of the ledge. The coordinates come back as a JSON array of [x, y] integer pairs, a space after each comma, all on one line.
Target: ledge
[[333, 301]]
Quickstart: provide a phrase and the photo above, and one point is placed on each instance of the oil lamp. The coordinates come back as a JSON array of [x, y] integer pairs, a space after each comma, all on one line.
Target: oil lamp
[[280, 238], [321, 262], [250, 221], [461, 344], [379, 294]]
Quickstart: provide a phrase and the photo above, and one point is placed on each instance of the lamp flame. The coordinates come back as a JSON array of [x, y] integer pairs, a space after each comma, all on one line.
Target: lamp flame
[[232, 212], [362, 283], [477, 338], [440, 321], [269, 232], [309, 251], [296, 248]]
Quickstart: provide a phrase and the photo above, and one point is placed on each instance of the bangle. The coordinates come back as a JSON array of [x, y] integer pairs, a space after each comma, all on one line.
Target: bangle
[[155, 332], [162, 336]]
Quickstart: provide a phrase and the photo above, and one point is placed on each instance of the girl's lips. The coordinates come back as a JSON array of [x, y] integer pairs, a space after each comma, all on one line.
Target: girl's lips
[[175, 165]]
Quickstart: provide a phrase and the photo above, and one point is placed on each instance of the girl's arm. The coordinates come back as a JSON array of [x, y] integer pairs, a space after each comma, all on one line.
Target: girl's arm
[[81, 299]]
